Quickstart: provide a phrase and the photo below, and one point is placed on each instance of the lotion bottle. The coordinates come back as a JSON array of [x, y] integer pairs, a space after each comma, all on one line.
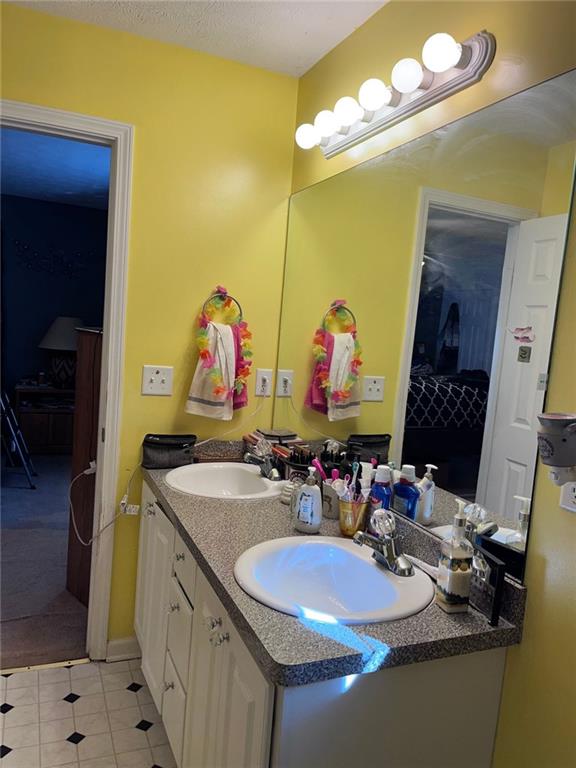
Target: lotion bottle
[[308, 505], [426, 487], [455, 567]]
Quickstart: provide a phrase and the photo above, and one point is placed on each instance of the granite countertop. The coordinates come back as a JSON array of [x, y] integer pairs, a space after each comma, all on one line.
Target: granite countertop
[[292, 651]]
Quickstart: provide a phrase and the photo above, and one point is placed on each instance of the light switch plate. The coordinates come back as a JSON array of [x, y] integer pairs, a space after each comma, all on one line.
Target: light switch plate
[[157, 379], [373, 389], [263, 382], [568, 497], [284, 381]]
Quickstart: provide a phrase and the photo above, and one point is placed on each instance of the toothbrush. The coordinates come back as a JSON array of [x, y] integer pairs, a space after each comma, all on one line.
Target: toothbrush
[[320, 468]]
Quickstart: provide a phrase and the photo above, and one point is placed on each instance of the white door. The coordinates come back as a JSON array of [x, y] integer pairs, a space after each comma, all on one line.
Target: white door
[[160, 551], [509, 450]]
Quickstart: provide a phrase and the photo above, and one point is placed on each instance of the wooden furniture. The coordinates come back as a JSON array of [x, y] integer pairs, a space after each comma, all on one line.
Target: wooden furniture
[[85, 443], [46, 417]]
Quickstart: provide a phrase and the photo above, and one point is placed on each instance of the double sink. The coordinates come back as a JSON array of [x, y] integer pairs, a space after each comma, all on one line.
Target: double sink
[[317, 578]]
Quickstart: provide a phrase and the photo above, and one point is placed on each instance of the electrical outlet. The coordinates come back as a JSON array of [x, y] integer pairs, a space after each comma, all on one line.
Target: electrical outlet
[[284, 381], [157, 379], [373, 388], [263, 382], [568, 497], [132, 509]]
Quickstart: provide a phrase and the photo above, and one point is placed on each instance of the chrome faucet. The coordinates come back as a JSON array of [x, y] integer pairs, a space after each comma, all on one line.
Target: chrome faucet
[[384, 545], [265, 464]]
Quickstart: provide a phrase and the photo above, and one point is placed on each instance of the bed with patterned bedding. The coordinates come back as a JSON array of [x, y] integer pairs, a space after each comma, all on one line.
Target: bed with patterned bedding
[[446, 402]]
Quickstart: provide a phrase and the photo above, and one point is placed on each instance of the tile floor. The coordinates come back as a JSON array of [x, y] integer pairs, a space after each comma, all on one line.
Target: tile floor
[[93, 715]]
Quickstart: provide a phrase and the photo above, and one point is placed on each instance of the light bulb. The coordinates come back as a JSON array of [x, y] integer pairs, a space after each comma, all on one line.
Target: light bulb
[[407, 75], [441, 52], [306, 136], [348, 111], [326, 124], [374, 94]]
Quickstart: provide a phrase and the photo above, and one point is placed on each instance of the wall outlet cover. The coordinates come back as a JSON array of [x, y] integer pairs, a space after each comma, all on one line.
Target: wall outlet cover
[[568, 497], [157, 380], [132, 509], [284, 383], [263, 382], [373, 389]]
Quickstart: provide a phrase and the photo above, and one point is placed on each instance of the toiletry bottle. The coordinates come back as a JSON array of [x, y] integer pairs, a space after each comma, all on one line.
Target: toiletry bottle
[[518, 538], [455, 567], [308, 505], [425, 505], [406, 494], [380, 494]]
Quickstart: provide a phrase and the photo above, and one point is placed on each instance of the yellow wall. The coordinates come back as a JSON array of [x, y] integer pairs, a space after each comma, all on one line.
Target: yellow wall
[[353, 236], [212, 165], [535, 41]]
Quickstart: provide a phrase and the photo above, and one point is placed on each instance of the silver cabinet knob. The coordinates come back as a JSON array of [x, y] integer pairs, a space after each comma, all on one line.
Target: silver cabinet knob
[[221, 637], [150, 510], [173, 607], [180, 555], [168, 686], [211, 623]]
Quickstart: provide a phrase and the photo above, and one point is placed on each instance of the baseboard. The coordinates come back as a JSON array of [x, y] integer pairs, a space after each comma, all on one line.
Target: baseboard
[[123, 648]]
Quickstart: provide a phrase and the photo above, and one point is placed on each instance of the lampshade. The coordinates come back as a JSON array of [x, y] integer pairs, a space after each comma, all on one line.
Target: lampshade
[[62, 334]]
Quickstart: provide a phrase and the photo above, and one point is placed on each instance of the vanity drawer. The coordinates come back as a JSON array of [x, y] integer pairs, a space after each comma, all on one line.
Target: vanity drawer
[[173, 709], [184, 567], [179, 629]]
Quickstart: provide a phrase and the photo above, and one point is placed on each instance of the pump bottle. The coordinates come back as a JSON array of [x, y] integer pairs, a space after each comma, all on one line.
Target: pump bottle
[[308, 505], [455, 567]]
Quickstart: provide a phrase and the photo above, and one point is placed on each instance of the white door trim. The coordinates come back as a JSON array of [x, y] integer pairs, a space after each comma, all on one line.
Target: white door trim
[[436, 198], [118, 136]]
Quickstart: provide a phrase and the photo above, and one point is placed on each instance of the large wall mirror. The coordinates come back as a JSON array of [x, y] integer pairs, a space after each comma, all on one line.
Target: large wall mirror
[[449, 251]]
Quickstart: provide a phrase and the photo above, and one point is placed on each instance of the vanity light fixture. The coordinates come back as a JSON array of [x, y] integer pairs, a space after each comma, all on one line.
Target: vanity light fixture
[[447, 67]]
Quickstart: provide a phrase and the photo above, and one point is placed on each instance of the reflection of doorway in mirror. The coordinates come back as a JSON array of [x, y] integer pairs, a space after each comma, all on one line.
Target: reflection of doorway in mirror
[[470, 403]]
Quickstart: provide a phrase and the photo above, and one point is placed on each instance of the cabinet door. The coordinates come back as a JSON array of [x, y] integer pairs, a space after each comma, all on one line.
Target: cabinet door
[[245, 710], [159, 566], [173, 708], [147, 510], [179, 629], [204, 679]]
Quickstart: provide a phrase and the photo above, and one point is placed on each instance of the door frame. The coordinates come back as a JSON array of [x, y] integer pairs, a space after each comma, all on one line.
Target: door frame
[[472, 206], [119, 137]]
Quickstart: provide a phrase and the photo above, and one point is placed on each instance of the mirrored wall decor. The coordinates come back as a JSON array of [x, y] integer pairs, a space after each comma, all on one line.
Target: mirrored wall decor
[[450, 250]]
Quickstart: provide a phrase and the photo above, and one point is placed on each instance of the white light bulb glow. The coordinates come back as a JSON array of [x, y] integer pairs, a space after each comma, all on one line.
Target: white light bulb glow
[[407, 75], [306, 136], [347, 111], [441, 52], [374, 94], [326, 123]]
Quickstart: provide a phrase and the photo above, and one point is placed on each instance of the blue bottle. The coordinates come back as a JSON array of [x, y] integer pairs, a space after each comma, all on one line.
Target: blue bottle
[[406, 494], [380, 494]]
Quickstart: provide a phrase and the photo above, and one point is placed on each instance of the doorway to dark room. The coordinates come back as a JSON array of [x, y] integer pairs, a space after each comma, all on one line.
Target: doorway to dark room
[[54, 200]]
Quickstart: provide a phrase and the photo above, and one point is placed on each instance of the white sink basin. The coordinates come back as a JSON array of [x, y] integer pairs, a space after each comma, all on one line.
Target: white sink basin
[[329, 579], [223, 481]]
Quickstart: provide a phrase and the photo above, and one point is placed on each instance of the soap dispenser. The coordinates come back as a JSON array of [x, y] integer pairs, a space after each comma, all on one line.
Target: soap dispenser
[[426, 487], [455, 567], [518, 538], [406, 495], [308, 505]]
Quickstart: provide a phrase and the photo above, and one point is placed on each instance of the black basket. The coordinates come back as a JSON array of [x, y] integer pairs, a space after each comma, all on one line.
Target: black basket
[[167, 451], [369, 446]]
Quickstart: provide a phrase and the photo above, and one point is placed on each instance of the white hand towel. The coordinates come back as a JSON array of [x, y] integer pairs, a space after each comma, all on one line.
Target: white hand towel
[[339, 370], [201, 400]]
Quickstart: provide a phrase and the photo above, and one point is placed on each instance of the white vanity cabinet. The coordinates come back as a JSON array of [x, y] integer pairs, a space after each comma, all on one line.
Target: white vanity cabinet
[[215, 703]]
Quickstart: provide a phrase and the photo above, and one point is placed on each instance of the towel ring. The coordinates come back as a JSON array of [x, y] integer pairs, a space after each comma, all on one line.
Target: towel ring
[[333, 309], [224, 296]]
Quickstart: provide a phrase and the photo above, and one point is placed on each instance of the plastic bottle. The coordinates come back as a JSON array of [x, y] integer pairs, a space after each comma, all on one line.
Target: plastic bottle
[[455, 567], [308, 505], [406, 495], [381, 494], [426, 488], [520, 535]]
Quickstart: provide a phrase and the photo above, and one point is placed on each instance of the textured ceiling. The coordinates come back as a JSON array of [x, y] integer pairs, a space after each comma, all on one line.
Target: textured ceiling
[[54, 169], [280, 35]]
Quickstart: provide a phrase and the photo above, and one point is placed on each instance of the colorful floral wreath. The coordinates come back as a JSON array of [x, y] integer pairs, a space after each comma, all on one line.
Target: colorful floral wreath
[[319, 350], [220, 301]]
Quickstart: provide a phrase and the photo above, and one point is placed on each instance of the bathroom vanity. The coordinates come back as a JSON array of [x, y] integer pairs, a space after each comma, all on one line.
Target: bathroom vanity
[[240, 684]]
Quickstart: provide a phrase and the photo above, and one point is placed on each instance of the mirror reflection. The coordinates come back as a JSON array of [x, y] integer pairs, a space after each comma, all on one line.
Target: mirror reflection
[[449, 253]]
